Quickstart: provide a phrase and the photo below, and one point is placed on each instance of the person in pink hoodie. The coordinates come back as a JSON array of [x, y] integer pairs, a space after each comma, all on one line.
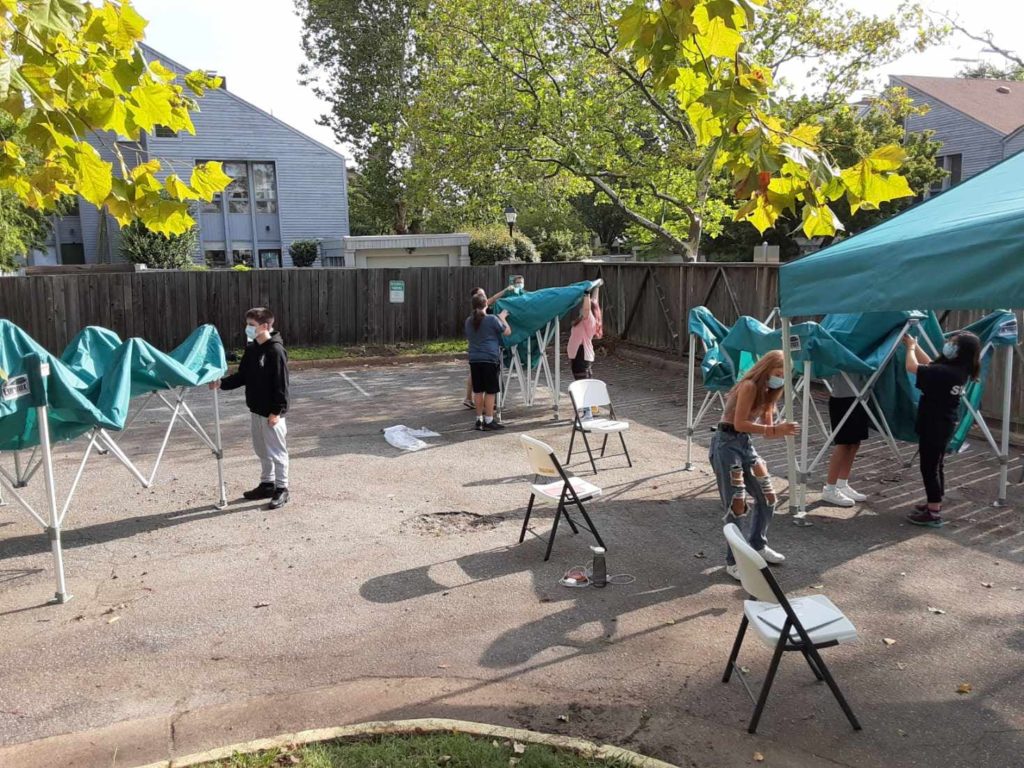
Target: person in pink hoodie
[[585, 328]]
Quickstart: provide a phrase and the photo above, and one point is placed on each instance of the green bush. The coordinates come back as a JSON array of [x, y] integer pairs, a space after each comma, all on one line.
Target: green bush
[[563, 245], [241, 268], [193, 267], [140, 245], [489, 245], [304, 252]]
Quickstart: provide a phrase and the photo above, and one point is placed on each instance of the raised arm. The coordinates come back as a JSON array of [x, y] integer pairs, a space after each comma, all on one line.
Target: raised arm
[[916, 357], [506, 329], [495, 297]]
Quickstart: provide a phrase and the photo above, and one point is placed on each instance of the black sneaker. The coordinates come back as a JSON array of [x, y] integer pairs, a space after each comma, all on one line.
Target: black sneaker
[[280, 498], [928, 518], [493, 426], [261, 491], [479, 425]]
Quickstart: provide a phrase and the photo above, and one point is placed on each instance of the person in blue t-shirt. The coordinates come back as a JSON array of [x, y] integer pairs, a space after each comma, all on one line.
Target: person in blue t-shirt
[[484, 333]]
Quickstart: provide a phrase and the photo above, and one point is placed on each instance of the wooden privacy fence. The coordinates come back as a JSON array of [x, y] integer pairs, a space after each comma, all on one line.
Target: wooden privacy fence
[[644, 304]]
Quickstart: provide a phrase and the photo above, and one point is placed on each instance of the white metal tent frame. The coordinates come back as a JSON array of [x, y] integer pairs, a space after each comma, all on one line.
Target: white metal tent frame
[[799, 469], [710, 397], [100, 441], [530, 381]]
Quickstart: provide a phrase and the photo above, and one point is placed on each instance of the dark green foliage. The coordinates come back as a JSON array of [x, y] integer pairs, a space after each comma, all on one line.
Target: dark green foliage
[[141, 245], [304, 252]]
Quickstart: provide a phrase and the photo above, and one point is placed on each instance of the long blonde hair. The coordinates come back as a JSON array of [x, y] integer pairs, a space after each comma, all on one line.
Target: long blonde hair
[[758, 375]]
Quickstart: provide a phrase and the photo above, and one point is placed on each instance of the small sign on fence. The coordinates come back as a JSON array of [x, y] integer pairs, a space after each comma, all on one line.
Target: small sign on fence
[[397, 291]]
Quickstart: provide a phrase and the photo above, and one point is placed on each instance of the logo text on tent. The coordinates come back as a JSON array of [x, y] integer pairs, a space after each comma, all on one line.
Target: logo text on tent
[[14, 388]]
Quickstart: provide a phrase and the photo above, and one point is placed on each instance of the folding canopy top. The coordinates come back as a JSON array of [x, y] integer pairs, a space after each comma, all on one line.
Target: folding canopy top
[[92, 384], [963, 249]]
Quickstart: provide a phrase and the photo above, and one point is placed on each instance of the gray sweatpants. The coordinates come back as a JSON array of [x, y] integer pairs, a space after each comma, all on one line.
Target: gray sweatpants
[[271, 445]]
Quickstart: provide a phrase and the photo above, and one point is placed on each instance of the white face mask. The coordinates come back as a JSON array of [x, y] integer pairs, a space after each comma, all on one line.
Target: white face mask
[[251, 333]]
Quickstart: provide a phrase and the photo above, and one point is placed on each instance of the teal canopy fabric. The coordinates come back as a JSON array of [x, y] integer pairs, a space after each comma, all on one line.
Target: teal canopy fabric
[[962, 249], [531, 312], [996, 330], [93, 382]]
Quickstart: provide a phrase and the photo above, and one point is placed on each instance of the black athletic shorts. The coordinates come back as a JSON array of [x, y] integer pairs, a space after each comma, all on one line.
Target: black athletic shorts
[[581, 367], [855, 428], [485, 377]]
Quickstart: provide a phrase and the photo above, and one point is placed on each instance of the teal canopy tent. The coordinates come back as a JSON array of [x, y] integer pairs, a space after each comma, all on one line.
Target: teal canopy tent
[[88, 391], [961, 249], [535, 319]]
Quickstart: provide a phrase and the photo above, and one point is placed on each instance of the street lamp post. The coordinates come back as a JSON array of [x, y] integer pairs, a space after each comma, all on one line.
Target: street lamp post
[[510, 218]]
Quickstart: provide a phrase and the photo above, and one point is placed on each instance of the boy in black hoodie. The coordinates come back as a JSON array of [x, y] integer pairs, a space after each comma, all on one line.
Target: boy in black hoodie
[[264, 374]]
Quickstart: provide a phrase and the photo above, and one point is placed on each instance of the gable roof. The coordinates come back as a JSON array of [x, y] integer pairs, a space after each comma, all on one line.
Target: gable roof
[[152, 53], [979, 99]]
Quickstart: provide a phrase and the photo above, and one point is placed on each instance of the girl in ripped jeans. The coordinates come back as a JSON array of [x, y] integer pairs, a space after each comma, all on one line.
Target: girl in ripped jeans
[[741, 473]]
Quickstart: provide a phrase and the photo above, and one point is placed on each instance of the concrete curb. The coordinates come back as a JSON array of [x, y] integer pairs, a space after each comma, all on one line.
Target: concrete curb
[[421, 726], [373, 362]]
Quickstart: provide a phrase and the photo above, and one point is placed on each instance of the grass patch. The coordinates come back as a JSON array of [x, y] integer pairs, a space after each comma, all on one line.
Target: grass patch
[[439, 750], [332, 352]]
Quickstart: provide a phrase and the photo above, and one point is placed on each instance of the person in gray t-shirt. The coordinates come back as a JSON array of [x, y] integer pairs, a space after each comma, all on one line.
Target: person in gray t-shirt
[[850, 435]]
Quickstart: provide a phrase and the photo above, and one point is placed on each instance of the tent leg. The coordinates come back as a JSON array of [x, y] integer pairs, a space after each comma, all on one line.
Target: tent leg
[[558, 364], [791, 471], [53, 529], [804, 437], [1004, 438], [219, 453], [689, 403]]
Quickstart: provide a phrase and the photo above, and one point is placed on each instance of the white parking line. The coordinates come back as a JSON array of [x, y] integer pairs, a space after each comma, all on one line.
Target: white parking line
[[362, 391]]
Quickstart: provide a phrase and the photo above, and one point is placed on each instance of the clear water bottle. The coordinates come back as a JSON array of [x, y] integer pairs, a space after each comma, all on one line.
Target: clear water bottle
[[599, 573]]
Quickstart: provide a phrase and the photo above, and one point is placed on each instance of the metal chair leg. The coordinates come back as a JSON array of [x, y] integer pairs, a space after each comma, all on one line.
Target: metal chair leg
[[589, 452], [735, 650], [812, 665], [604, 444], [625, 450], [572, 440], [766, 687], [569, 520], [834, 688], [590, 524], [526, 520], [554, 528]]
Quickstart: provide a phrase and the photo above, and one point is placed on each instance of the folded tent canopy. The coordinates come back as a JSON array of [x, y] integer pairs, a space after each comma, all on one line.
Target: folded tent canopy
[[961, 249], [535, 319], [88, 391]]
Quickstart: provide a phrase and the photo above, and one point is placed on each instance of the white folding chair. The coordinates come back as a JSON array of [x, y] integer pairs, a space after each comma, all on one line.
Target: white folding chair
[[804, 624], [585, 394], [561, 491]]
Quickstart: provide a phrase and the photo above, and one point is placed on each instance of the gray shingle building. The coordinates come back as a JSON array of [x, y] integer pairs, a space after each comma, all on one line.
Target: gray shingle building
[[286, 186]]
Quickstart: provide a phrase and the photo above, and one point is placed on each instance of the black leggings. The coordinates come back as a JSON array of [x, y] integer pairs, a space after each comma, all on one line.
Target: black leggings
[[933, 456]]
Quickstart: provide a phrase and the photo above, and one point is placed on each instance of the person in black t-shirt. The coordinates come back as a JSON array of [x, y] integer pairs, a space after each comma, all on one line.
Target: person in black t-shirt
[[941, 382]]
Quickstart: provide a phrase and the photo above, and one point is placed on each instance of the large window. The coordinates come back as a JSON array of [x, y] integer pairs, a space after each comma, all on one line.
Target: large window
[[953, 166], [264, 184], [270, 257], [238, 189]]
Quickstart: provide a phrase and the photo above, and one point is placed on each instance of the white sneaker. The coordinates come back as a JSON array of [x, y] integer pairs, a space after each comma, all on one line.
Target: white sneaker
[[836, 498], [771, 556], [849, 493], [734, 571]]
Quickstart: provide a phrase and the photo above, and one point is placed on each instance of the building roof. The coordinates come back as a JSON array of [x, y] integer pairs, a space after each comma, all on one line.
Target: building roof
[[998, 104], [152, 53]]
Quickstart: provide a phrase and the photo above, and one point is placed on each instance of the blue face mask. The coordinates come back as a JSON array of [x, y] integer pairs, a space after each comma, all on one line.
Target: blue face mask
[[776, 382], [949, 350], [251, 332]]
